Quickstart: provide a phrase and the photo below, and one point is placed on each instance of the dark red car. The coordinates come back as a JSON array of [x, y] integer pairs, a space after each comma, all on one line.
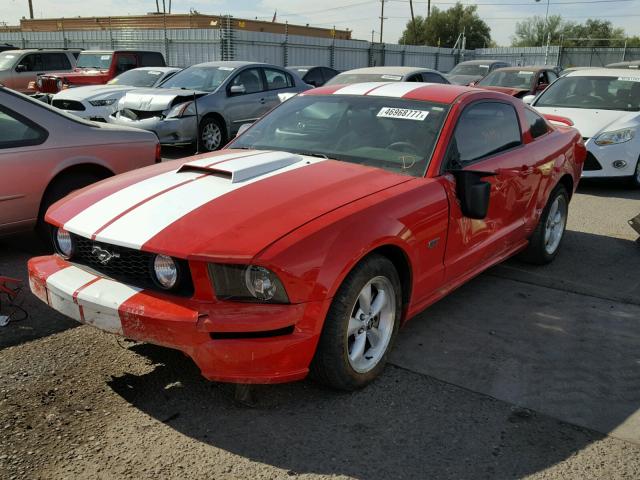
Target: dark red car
[[97, 68], [518, 81]]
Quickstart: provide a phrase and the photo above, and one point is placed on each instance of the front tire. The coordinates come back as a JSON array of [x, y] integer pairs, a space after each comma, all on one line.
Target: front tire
[[212, 134], [547, 237], [634, 181], [360, 327]]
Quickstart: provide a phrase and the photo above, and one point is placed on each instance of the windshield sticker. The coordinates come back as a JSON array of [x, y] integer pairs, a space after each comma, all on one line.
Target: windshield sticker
[[405, 113], [226, 69], [391, 77], [105, 57], [303, 69], [634, 66], [525, 73], [154, 72], [9, 56], [484, 66], [629, 79]]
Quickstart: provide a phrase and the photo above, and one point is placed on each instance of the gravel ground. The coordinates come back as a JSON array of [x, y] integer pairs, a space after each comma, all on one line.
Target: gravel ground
[[78, 403]]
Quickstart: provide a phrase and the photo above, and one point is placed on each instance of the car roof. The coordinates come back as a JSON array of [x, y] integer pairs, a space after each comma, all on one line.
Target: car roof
[[480, 62], [158, 69], [232, 63], [605, 72], [525, 67], [428, 92], [623, 64], [43, 50], [395, 70]]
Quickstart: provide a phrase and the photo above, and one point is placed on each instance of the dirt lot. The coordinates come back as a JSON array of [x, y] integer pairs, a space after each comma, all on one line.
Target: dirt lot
[[523, 373]]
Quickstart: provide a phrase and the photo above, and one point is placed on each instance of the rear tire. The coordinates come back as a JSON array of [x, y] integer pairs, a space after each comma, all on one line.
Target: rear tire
[[58, 189], [360, 327], [545, 241]]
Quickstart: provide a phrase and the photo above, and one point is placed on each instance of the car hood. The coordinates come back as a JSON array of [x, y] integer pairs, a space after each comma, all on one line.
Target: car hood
[[154, 99], [514, 92], [592, 122], [91, 92], [228, 205], [463, 79]]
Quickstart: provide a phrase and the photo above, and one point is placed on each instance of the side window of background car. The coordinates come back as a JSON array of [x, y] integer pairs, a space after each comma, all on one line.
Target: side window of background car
[[125, 62], [17, 131], [537, 125], [151, 59], [56, 61], [415, 78], [328, 73], [551, 75], [484, 129], [314, 77], [32, 62], [277, 79], [432, 78], [250, 79]]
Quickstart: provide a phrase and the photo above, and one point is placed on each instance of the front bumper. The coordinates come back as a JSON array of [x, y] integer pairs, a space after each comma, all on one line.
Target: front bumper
[[170, 131], [230, 342], [97, 114], [605, 156]]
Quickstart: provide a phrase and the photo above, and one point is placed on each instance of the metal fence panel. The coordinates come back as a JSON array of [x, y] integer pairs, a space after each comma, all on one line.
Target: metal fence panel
[[520, 56]]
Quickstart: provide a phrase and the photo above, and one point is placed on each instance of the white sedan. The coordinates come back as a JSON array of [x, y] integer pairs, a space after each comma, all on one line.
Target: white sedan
[[604, 105], [97, 102]]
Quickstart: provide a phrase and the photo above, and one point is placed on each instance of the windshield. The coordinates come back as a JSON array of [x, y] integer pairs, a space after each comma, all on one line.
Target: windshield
[[199, 78], [508, 78], [603, 93], [475, 70], [7, 59], [101, 61], [390, 133], [137, 78], [348, 78]]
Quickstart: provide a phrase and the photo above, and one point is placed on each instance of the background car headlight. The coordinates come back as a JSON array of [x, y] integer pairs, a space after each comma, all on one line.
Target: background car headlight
[[247, 283], [165, 271], [59, 84], [183, 110], [102, 103], [64, 243], [617, 136]]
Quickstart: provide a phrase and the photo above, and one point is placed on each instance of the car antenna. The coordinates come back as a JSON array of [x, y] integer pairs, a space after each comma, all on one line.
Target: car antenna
[[195, 104]]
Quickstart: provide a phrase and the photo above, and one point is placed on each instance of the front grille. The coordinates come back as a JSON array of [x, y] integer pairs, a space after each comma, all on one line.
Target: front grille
[[139, 114], [127, 265], [49, 84], [591, 163], [68, 105]]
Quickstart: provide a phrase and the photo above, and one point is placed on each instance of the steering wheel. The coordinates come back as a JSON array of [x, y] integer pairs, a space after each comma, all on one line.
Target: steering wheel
[[407, 147]]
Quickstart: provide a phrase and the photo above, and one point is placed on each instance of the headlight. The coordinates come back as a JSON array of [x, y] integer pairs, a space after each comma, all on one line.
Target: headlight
[[102, 103], [247, 283], [64, 243], [59, 84], [617, 136], [165, 271], [182, 110]]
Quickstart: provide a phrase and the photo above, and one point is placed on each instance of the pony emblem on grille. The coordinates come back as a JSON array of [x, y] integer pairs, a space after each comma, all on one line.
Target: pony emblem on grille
[[103, 256]]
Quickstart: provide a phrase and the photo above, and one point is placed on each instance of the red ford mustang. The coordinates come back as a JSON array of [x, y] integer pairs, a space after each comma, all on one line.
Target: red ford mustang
[[306, 243]]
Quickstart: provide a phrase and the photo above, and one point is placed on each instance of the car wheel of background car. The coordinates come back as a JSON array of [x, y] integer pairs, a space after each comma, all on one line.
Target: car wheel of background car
[[635, 179], [360, 327], [545, 241], [211, 134], [60, 188]]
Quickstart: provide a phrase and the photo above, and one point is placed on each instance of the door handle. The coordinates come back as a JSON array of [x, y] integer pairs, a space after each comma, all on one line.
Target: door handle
[[263, 101]]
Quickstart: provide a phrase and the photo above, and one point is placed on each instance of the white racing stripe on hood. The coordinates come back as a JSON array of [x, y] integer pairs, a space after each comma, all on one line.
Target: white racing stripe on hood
[[357, 88], [137, 227], [87, 222], [398, 89]]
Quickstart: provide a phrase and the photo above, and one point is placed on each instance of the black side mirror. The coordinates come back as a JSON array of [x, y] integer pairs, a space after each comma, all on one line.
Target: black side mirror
[[473, 192]]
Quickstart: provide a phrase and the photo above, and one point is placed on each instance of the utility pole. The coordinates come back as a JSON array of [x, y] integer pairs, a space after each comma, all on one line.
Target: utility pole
[[372, 34], [382, 19], [31, 9], [413, 22], [428, 8]]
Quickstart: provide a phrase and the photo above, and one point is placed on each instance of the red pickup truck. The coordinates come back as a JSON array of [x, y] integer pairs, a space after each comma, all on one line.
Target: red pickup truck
[[97, 68]]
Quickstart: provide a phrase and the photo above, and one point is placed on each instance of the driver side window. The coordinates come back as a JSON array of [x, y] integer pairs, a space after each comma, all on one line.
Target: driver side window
[[483, 129]]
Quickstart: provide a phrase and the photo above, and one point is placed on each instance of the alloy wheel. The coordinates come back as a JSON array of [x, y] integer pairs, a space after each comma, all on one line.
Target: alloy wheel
[[211, 136], [555, 224]]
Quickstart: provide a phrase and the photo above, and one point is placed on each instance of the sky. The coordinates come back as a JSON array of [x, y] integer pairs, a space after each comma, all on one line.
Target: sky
[[360, 16]]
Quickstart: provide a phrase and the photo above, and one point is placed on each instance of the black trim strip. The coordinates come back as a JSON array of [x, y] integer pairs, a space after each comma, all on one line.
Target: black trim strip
[[264, 334]]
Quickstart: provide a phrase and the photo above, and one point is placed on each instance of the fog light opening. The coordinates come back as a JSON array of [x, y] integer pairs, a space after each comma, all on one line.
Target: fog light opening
[[619, 164]]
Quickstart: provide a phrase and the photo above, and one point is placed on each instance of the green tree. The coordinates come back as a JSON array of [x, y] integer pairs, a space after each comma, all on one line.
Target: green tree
[[443, 27], [533, 31]]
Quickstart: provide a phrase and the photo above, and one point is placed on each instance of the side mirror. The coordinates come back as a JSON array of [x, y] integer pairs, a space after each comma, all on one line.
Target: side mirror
[[473, 192], [21, 68], [528, 99], [541, 87], [243, 128], [237, 90]]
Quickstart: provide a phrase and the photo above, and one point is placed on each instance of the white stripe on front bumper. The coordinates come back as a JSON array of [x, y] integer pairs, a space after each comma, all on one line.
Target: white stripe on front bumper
[[101, 301], [61, 287]]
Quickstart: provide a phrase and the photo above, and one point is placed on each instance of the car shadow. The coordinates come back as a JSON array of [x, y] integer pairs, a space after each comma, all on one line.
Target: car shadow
[[42, 320], [175, 153], [609, 187], [404, 425]]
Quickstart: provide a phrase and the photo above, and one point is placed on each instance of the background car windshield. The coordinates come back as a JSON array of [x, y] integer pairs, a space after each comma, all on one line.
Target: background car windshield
[[605, 93], [7, 59], [199, 78], [348, 78], [94, 60], [509, 78], [137, 78], [470, 70], [389, 133]]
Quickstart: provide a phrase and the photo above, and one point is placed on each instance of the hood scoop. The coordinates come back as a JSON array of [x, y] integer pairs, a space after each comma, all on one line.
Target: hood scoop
[[244, 167]]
